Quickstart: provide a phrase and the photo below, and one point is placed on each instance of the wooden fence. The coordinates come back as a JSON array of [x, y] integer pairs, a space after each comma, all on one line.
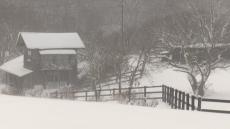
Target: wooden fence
[[112, 79], [131, 93], [180, 100], [175, 98]]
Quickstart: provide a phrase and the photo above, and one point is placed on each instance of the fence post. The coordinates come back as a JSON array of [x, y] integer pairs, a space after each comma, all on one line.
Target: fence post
[[168, 95], [145, 91], [172, 98], [163, 93], [176, 91], [130, 88], [187, 101], [183, 100], [199, 104], [86, 96], [96, 95], [113, 92], [179, 100], [193, 102], [99, 94]]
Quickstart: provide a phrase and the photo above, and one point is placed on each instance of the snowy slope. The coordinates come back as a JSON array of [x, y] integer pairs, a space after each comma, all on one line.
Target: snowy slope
[[218, 82], [32, 113]]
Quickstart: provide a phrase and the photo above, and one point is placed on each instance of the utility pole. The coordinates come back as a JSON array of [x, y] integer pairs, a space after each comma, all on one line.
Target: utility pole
[[122, 21], [121, 47]]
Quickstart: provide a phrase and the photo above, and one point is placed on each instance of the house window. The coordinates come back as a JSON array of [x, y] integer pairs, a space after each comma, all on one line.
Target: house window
[[28, 60], [29, 53], [54, 59]]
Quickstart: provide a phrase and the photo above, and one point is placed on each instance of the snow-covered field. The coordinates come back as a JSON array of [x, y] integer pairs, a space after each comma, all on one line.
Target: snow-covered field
[[40, 113], [218, 82], [160, 73], [33, 113]]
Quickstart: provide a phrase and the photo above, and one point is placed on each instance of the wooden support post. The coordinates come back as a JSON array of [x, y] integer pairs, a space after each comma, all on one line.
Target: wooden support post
[[176, 92], [96, 95], [130, 88], [199, 104], [187, 101], [99, 94], [145, 94], [193, 102], [145, 91], [163, 93], [167, 94], [172, 98], [179, 100], [183, 100], [113, 92], [86, 96]]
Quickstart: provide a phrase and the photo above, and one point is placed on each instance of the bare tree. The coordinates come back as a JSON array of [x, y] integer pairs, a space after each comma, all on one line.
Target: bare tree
[[208, 27]]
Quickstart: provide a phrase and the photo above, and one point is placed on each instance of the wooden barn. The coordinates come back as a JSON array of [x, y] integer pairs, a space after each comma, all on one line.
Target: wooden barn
[[49, 59]]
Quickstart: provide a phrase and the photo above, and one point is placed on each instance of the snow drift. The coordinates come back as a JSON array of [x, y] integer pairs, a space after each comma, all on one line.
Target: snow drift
[[33, 113]]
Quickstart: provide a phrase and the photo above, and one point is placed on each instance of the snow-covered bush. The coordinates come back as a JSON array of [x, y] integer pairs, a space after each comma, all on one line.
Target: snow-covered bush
[[124, 99], [9, 90]]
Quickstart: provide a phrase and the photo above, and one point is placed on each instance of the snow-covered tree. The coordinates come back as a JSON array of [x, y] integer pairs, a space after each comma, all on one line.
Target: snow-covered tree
[[205, 25]]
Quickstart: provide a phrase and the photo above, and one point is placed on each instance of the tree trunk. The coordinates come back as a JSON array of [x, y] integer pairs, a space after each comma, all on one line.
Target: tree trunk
[[133, 73], [145, 61], [201, 90]]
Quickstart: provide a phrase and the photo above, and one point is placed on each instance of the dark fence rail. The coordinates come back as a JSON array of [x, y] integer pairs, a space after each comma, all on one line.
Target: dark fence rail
[[131, 93], [215, 101], [112, 79], [175, 98], [180, 100]]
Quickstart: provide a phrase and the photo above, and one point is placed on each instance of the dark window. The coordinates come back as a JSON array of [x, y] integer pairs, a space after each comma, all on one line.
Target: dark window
[[29, 53]]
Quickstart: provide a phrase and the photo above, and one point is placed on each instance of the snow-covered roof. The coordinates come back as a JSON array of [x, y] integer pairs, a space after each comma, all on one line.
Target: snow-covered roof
[[34, 40], [58, 51], [16, 67]]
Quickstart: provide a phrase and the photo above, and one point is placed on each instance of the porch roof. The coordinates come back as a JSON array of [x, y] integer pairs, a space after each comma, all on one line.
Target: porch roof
[[16, 67]]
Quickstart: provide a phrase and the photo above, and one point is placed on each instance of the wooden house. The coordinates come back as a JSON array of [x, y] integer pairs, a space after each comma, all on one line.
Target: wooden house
[[48, 59]]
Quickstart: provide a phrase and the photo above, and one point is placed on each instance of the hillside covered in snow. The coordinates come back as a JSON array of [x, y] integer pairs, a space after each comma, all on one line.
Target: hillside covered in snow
[[218, 84], [33, 113]]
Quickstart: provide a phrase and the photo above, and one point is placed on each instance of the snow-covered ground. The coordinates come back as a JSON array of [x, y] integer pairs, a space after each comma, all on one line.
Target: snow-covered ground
[[218, 82], [33, 113], [160, 73]]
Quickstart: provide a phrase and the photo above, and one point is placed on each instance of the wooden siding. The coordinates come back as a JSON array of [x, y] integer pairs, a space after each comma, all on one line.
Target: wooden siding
[[58, 62], [32, 60], [49, 79]]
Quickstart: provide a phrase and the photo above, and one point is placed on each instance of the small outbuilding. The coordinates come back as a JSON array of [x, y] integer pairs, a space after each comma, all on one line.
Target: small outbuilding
[[48, 59]]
